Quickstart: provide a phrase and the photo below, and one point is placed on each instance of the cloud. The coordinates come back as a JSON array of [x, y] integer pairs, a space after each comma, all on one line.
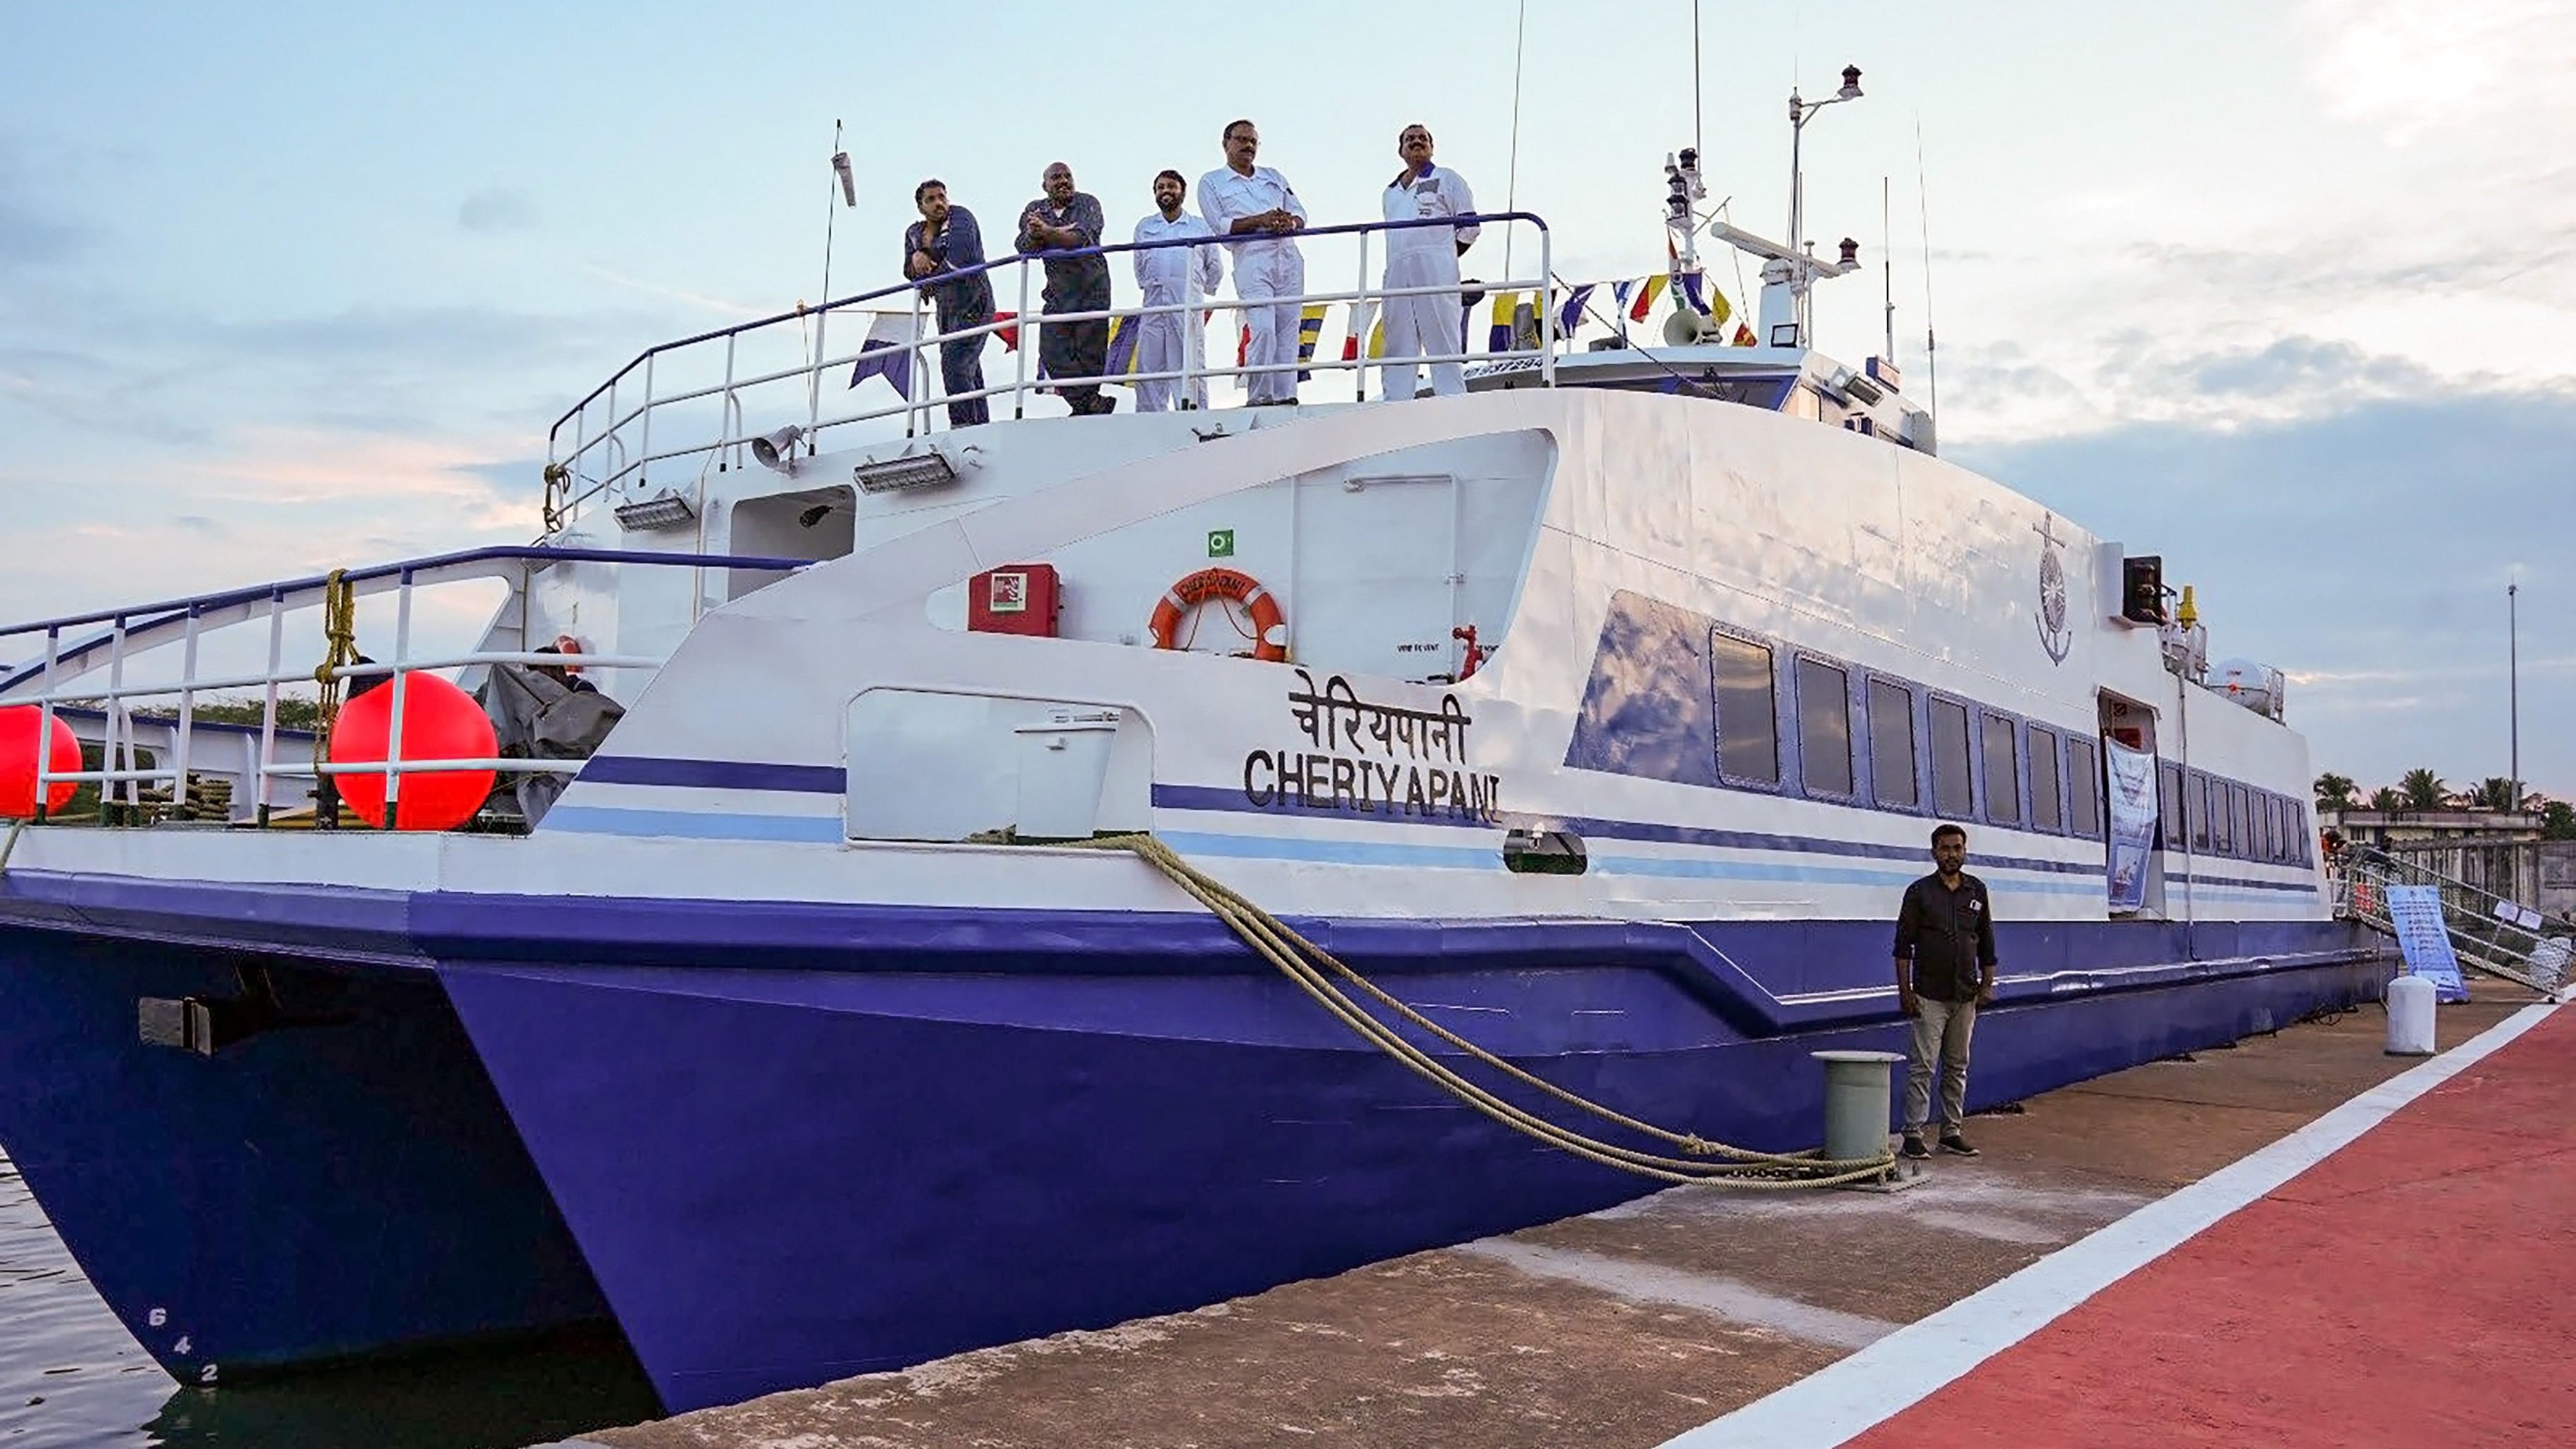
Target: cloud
[[2363, 548], [496, 209], [2414, 70]]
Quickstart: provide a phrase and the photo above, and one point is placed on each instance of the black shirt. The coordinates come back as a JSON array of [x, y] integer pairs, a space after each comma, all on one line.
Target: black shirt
[[1949, 934]]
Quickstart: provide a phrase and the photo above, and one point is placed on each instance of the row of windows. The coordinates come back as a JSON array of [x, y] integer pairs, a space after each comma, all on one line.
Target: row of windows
[[1973, 762], [2228, 818]]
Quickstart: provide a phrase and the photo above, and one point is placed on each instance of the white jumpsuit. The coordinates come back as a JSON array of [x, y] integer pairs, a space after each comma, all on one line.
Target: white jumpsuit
[[1265, 265], [1427, 323], [1165, 339]]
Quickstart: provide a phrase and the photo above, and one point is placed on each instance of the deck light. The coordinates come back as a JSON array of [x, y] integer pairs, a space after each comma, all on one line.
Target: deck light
[[777, 451], [665, 510], [894, 475]]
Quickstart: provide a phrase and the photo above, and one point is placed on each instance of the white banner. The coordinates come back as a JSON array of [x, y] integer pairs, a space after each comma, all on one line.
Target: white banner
[[2133, 822]]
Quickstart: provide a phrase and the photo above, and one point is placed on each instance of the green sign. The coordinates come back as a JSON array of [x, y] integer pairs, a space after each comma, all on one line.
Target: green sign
[[1220, 543]]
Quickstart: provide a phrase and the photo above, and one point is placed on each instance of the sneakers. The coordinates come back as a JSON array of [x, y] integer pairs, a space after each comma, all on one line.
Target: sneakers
[[1914, 1147], [1953, 1142]]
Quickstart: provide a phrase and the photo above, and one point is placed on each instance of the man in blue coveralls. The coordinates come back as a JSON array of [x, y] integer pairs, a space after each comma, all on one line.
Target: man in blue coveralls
[[1062, 220], [947, 240]]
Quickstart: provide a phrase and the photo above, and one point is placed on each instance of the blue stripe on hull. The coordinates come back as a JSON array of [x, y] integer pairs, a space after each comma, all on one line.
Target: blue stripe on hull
[[304, 1195], [783, 1176]]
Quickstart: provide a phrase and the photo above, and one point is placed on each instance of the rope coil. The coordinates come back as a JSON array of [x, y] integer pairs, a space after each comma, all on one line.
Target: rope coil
[[1298, 959]]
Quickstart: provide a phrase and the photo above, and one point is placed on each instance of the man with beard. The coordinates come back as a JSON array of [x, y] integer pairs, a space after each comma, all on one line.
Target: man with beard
[[1065, 220], [1259, 215], [1170, 275], [946, 239]]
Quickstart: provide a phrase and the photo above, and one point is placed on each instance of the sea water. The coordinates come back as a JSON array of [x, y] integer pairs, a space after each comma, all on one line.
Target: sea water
[[70, 1375]]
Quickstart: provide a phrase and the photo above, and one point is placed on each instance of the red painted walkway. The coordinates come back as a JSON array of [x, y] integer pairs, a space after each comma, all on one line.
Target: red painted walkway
[[2418, 1287]]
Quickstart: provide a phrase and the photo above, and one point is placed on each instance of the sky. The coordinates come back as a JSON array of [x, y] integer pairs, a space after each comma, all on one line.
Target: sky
[[2282, 292]]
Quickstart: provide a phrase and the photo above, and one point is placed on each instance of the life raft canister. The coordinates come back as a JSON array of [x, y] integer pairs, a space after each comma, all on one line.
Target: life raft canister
[[1270, 626]]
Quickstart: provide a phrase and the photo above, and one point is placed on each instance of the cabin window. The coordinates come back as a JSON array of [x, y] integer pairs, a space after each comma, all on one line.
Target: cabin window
[[2244, 836], [2198, 795], [1891, 745], [2170, 809], [1952, 795], [1824, 728], [2044, 810], [2003, 771], [2221, 840], [2084, 787], [2275, 839], [2294, 817], [1748, 734]]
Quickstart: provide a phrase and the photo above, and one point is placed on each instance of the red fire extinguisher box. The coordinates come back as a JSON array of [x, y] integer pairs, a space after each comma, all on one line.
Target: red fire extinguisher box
[[1013, 599]]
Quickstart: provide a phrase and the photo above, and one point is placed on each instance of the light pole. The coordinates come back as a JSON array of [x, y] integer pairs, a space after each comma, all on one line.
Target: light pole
[[2513, 690], [1800, 111]]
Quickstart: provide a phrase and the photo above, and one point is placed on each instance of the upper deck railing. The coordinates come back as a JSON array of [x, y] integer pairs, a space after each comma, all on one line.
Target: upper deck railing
[[607, 442]]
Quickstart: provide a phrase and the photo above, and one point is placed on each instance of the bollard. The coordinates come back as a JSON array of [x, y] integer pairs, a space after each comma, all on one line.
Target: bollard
[[2410, 1016], [1856, 1096]]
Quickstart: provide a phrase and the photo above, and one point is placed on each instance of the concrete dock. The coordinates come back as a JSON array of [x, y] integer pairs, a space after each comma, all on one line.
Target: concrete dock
[[1632, 1326]]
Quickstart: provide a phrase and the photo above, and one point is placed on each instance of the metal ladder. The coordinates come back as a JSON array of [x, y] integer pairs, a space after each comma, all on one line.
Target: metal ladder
[[2500, 937]]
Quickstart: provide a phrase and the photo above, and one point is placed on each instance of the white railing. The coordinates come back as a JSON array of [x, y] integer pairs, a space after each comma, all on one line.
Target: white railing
[[589, 452], [77, 647]]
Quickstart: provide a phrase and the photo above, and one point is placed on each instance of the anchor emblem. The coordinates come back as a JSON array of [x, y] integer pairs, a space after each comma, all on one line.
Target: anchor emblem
[[2055, 638]]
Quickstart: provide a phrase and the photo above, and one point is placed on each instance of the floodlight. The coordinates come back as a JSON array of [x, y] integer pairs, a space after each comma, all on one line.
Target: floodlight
[[665, 510]]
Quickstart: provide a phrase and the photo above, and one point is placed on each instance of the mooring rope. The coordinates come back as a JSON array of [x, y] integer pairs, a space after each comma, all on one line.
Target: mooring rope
[[1296, 957], [340, 649]]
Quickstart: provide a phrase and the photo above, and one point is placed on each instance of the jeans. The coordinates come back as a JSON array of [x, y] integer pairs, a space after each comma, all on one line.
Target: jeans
[[1940, 1027]]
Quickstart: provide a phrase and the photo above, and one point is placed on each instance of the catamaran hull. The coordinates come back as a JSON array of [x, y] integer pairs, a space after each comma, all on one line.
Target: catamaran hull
[[308, 1195], [863, 1138]]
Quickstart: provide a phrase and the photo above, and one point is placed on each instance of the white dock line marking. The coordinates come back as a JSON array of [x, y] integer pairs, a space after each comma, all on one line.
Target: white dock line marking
[[1846, 1398], [1738, 1303]]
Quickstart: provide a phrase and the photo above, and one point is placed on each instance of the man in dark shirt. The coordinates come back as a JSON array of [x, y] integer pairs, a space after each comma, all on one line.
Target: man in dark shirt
[[1063, 220], [947, 240], [1945, 969]]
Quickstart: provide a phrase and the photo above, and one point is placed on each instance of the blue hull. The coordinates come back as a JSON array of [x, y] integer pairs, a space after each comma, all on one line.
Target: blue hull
[[307, 1195], [898, 1135]]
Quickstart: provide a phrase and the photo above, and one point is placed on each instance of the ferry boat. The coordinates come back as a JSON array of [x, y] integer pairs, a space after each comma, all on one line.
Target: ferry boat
[[1600, 714]]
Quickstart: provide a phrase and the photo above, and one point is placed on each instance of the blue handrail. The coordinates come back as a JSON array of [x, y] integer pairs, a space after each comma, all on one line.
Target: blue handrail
[[1014, 260]]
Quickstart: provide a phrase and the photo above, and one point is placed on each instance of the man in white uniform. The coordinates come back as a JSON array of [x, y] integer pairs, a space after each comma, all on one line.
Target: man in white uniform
[[1426, 323], [1168, 275], [1253, 207]]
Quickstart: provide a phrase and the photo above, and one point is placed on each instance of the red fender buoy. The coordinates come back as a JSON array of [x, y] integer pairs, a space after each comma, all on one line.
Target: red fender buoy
[[440, 722], [18, 725]]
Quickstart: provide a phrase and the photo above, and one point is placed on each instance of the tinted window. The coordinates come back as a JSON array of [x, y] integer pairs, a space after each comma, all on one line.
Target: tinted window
[[2196, 794], [2221, 842], [1891, 744], [1951, 798], [2003, 771], [2272, 827], [1748, 745], [2244, 836], [2169, 805], [2043, 779], [2294, 819], [1824, 728], [2084, 786]]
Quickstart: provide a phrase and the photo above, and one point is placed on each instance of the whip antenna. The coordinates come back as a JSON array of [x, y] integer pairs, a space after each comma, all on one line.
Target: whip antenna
[[1931, 352], [1512, 181]]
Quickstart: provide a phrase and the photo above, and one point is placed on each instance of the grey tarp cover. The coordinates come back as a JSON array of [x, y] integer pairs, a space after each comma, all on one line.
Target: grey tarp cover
[[537, 718]]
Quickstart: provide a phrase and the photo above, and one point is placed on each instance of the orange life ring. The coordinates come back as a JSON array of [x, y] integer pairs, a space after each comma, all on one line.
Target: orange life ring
[[1269, 634]]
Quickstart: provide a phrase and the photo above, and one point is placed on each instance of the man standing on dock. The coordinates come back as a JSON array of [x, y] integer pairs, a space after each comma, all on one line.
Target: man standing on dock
[[1945, 969], [1254, 208]]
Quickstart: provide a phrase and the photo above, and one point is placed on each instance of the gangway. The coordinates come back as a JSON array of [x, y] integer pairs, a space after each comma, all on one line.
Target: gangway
[[2490, 933]]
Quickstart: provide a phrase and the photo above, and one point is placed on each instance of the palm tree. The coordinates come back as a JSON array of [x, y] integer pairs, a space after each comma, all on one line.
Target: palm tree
[[2423, 789], [2495, 792], [2334, 792], [2386, 800]]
